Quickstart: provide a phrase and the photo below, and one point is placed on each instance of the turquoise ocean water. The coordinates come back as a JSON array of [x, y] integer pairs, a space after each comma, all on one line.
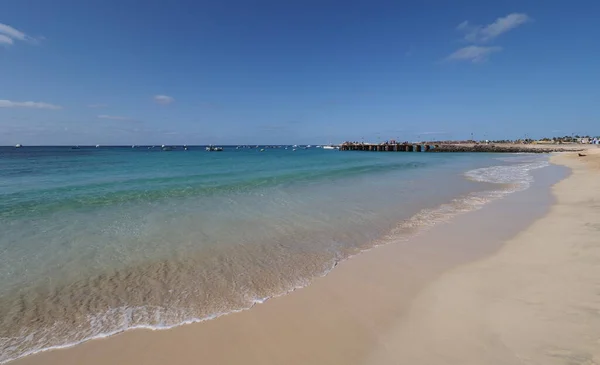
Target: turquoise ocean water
[[95, 241]]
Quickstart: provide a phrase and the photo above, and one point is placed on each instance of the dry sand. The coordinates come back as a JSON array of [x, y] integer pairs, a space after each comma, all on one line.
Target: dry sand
[[537, 300]]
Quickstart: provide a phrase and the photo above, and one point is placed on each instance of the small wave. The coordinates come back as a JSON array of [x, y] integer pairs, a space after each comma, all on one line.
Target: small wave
[[517, 174], [13, 345]]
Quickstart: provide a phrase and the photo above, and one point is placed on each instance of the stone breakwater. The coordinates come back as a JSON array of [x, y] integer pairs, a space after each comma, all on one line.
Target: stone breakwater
[[443, 147], [503, 148]]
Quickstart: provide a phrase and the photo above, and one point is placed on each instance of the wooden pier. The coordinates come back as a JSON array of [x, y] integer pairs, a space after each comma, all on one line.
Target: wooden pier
[[435, 147]]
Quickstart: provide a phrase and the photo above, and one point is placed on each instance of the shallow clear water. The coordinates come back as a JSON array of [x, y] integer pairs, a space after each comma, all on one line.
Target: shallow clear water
[[97, 241]]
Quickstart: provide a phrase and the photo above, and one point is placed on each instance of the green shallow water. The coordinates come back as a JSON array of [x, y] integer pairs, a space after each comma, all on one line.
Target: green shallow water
[[96, 241]]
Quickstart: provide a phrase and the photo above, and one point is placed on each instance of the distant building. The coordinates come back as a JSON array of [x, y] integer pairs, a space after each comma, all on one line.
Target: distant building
[[583, 140]]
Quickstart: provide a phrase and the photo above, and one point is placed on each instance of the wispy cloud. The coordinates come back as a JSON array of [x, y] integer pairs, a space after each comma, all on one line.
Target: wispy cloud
[[163, 99], [9, 34], [4, 39], [116, 117], [96, 106], [474, 54], [28, 104], [481, 34]]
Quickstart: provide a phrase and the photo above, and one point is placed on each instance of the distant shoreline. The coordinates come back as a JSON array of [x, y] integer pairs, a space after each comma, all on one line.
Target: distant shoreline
[[463, 147]]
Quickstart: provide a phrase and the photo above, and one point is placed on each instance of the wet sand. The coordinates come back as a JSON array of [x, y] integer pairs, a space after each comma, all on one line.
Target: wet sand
[[434, 299]]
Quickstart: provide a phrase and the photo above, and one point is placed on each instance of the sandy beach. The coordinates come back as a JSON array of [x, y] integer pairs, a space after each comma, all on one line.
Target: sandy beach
[[491, 287], [536, 302]]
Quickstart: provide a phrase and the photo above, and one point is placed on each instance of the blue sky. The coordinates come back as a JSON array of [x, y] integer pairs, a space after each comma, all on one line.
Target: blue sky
[[233, 72]]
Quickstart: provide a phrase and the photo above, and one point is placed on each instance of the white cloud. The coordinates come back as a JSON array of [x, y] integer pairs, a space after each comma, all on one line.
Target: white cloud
[[163, 99], [9, 34], [475, 54], [480, 34], [28, 104], [115, 117], [5, 39], [463, 25]]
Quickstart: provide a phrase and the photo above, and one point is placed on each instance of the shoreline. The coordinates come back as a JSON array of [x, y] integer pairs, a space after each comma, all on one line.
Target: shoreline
[[399, 261], [534, 302], [121, 318]]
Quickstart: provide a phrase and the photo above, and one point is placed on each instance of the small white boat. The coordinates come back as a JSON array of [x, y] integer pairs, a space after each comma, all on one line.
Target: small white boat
[[97, 146], [330, 147], [308, 146], [18, 145]]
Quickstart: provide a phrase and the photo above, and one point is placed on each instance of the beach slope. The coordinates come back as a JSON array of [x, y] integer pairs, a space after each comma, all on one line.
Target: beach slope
[[535, 302]]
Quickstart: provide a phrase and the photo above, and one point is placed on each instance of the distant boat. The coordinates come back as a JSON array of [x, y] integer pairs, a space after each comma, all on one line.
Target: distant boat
[[166, 148], [214, 149], [75, 148], [133, 146], [330, 147], [308, 146], [18, 145], [97, 146]]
